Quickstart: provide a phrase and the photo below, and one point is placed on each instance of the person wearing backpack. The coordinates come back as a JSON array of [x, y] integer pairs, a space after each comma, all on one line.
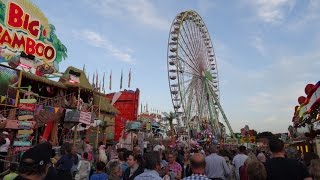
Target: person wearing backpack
[[84, 168]]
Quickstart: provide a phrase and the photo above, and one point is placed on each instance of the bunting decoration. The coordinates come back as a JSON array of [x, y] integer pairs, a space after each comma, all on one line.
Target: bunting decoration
[[2, 99], [129, 81], [121, 79], [110, 81]]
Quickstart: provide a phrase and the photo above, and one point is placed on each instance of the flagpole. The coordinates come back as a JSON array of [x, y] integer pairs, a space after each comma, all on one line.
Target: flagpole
[[121, 79], [98, 127], [129, 81], [110, 81]]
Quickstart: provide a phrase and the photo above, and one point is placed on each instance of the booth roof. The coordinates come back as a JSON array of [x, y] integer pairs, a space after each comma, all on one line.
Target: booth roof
[[84, 82], [44, 80], [105, 103]]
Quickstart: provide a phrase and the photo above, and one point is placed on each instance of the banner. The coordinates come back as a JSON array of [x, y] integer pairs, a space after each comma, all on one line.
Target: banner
[[73, 115], [85, 117], [28, 42]]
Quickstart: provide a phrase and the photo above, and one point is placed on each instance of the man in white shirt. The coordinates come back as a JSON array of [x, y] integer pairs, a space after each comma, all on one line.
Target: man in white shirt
[[239, 160], [5, 144]]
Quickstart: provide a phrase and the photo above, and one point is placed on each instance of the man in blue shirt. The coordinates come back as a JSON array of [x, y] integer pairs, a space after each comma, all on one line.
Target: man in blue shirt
[[153, 165]]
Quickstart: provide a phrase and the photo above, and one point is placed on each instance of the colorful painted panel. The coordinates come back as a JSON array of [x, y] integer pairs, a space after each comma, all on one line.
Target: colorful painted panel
[[27, 40]]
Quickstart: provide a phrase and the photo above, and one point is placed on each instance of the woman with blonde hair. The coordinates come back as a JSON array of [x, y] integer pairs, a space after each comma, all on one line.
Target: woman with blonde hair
[[256, 171], [314, 169], [243, 169]]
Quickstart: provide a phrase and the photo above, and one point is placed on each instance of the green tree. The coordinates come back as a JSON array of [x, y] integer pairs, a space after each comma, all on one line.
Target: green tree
[[169, 117]]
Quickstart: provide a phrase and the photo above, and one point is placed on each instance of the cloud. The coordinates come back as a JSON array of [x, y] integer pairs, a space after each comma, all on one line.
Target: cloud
[[272, 11], [280, 84], [258, 44], [205, 5], [264, 97], [97, 40], [142, 11], [309, 16]]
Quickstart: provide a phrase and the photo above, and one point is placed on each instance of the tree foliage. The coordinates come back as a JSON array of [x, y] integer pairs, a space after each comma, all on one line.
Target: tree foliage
[[170, 117], [265, 134]]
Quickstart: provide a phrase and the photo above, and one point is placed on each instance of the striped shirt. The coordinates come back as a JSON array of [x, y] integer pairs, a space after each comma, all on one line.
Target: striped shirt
[[196, 177]]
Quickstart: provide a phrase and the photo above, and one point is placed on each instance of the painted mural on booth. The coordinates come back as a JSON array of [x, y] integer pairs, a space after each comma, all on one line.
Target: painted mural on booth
[[27, 40]]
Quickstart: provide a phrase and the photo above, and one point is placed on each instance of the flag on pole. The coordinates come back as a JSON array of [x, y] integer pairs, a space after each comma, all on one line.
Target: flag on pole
[[102, 88], [129, 82], [93, 80], [97, 81], [110, 81], [121, 79]]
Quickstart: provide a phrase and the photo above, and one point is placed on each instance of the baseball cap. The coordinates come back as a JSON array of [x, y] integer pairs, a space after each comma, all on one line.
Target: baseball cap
[[38, 155]]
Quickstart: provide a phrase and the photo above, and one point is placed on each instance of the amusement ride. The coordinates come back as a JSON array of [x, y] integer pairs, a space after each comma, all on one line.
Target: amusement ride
[[193, 75]]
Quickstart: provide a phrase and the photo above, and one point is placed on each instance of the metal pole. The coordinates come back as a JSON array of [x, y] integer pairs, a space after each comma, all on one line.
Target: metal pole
[[76, 125]]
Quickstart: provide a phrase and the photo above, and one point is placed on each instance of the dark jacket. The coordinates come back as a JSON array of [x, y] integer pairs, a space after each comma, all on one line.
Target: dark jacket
[[188, 171], [140, 170]]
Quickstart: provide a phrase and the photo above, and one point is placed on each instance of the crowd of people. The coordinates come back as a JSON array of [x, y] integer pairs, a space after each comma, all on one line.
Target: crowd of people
[[166, 163]]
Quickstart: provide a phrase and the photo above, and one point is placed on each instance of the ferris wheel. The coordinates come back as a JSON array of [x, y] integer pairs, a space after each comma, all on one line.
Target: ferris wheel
[[193, 73]]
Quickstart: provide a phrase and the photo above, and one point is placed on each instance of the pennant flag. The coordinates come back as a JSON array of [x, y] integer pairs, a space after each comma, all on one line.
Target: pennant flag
[[56, 109], [51, 109], [121, 79], [38, 109], [103, 89], [2, 99], [129, 81], [110, 81], [97, 81], [13, 101], [93, 79]]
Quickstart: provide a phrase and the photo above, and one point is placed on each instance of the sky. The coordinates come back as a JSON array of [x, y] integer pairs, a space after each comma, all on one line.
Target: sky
[[266, 50]]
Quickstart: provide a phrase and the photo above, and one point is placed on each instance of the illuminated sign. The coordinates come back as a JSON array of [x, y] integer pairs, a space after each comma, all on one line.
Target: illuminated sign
[[27, 40]]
